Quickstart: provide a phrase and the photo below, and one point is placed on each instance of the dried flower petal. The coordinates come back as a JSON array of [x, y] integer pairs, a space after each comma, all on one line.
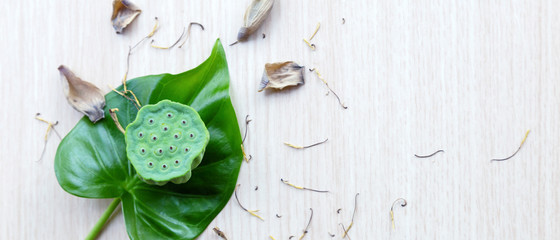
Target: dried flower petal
[[281, 75], [255, 15], [124, 12], [83, 96]]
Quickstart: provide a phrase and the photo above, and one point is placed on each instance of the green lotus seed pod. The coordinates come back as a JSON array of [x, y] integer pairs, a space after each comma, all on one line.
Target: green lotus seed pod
[[165, 142]]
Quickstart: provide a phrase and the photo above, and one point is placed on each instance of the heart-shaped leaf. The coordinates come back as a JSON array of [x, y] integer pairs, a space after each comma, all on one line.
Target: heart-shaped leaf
[[91, 160]]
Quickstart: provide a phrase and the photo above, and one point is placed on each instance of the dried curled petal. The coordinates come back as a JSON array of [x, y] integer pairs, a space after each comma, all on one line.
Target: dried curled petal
[[255, 15], [124, 12], [83, 96], [281, 75]]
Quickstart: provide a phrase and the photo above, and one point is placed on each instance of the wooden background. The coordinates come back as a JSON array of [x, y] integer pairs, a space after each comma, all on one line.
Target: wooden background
[[469, 77]]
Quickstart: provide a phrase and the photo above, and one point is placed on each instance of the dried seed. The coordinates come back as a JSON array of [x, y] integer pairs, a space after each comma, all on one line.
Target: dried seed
[[220, 233], [281, 75], [124, 12], [83, 96]]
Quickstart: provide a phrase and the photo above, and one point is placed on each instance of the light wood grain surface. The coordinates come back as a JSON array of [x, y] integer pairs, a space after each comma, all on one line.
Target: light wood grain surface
[[469, 77]]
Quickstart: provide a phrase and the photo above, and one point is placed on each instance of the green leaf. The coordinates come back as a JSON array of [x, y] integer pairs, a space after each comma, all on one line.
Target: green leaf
[[91, 160]]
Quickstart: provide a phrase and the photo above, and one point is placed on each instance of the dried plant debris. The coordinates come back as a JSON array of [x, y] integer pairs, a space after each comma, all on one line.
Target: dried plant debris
[[519, 148], [220, 233], [124, 12], [113, 113], [255, 15], [49, 129], [330, 89], [83, 96], [189, 32], [403, 204], [304, 147], [282, 74], [308, 224], [308, 41], [427, 156], [252, 212], [346, 235], [172, 45], [125, 90], [353, 215], [302, 188]]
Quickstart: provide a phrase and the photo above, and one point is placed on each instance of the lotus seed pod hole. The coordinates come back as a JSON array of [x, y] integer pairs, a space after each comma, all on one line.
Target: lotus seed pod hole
[[140, 135]]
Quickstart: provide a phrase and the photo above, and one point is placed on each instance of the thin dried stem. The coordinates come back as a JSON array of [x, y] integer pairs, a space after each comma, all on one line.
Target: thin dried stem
[[403, 204], [303, 147], [173, 45], [302, 188], [427, 156], [330, 89], [519, 148], [149, 34], [309, 223], [247, 121], [48, 131], [189, 32], [345, 231], [113, 113], [312, 46], [247, 159], [134, 102], [353, 214], [252, 212]]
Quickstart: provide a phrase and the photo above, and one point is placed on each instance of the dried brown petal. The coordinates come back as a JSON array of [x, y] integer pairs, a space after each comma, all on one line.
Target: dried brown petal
[[83, 96], [281, 75], [255, 15], [124, 12]]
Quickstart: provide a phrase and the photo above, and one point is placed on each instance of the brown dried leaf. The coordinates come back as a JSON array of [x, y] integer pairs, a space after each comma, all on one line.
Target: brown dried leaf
[[83, 96], [255, 15], [281, 75], [124, 12]]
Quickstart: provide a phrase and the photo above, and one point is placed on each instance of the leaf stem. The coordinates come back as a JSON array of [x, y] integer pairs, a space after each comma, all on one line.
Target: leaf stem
[[104, 218]]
